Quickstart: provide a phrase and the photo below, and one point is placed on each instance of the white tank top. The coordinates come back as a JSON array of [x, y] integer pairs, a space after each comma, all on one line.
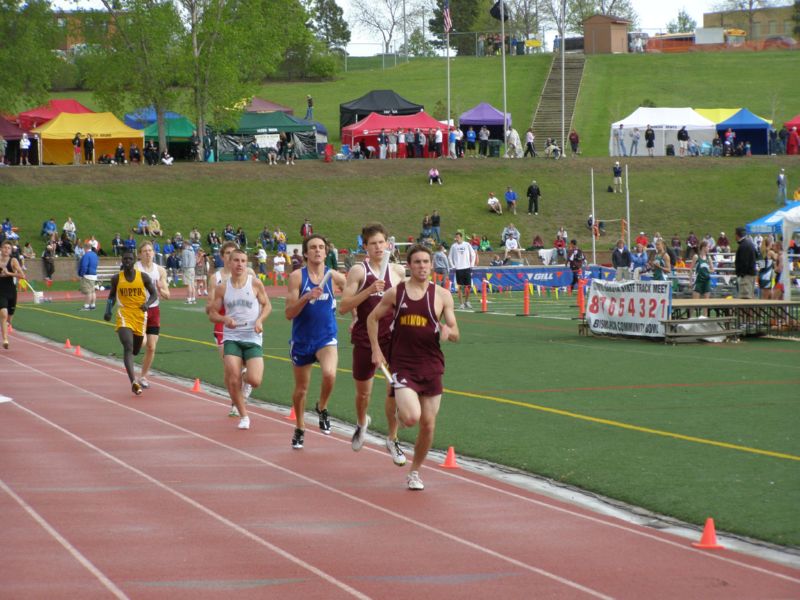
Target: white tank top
[[243, 306], [154, 276]]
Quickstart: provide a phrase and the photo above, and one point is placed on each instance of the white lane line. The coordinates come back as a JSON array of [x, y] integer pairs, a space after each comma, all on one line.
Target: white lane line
[[276, 549], [76, 554], [4, 399], [429, 528], [621, 526]]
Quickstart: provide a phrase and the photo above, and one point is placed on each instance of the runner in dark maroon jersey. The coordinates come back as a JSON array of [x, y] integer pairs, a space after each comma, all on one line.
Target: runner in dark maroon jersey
[[366, 284], [416, 360]]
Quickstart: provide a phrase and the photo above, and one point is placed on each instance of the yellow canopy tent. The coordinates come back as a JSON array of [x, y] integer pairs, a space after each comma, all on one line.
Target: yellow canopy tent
[[719, 115], [106, 129]]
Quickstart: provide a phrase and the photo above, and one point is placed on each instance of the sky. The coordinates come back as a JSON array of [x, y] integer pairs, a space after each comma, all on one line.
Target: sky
[[653, 18]]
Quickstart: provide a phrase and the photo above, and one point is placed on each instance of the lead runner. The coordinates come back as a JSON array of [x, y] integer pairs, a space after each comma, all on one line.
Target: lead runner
[[415, 358]]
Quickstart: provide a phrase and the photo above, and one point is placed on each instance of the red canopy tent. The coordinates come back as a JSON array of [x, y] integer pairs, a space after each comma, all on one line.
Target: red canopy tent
[[36, 117], [259, 105], [8, 130], [370, 126], [795, 122]]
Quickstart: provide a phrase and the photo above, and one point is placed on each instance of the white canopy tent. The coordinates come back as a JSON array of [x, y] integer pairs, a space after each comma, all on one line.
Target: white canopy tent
[[791, 223], [665, 122]]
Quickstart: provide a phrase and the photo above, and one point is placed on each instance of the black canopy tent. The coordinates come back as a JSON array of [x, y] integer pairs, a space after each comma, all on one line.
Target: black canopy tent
[[383, 102]]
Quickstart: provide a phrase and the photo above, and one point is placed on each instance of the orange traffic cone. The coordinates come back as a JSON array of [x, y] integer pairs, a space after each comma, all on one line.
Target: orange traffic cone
[[67, 345], [291, 416], [78, 351], [709, 539], [450, 460], [10, 328], [196, 386]]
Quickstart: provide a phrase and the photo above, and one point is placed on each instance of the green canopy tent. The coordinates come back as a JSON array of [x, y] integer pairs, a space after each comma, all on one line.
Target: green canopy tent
[[255, 132], [179, 133]]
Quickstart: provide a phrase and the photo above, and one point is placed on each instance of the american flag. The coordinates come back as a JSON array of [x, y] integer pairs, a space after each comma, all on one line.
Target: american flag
[[448, 23]]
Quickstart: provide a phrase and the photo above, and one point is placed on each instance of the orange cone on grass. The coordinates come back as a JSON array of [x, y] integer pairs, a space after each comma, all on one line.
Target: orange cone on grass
[[67, 345], [196, 386], [78, 351], [708, 541], [450, 459]]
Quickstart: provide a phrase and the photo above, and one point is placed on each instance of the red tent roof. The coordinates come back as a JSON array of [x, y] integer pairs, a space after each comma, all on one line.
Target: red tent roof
[[37, 117], [259, 105], [795, 122], [371, 125], [9, 131]]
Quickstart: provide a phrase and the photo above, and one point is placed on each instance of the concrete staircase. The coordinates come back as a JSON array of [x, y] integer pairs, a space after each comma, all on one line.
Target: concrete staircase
[[547, 120]]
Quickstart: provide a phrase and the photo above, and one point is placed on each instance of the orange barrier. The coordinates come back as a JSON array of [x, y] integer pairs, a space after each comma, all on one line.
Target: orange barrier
[[483, 296]]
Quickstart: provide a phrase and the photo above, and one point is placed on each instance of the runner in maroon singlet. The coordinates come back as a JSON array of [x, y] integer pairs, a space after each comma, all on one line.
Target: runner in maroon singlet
[[366, 284], [415, 358]]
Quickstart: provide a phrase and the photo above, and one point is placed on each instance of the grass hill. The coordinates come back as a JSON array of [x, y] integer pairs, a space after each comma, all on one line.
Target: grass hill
[[667, 195], [613, 86]]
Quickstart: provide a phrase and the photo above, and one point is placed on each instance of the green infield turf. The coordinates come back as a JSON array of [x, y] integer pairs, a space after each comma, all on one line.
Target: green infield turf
[[689, 431]]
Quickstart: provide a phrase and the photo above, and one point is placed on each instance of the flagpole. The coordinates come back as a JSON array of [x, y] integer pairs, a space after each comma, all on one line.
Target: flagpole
[[503, 54], [447, 43]]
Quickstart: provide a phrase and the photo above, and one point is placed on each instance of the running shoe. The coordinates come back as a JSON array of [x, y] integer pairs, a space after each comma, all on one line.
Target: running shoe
[[144, 383], [360, 434], [324, 421], [5, 344], [244, 423], [247, 389], [414, 482], [234, 411], [468, 305], [297, 439], [396, 452], [461, 306], [136, 388]]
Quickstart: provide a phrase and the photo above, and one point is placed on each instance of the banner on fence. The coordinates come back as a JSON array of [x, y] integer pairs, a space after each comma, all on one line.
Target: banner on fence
[[515, 278], [634, 308]]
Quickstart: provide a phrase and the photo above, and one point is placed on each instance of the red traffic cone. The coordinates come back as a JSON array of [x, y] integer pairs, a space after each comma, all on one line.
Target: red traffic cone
[[450, 460], [196, 386], [67, 345], [78, 351], [708, 541], [291, 416]]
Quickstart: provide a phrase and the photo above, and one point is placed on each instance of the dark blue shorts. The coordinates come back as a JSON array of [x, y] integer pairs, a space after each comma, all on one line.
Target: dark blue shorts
[[306, 354]]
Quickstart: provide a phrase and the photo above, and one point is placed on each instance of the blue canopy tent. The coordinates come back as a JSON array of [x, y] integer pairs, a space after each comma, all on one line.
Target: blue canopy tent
[[142, 117], [321, 131], [771, 223], [749, 128]]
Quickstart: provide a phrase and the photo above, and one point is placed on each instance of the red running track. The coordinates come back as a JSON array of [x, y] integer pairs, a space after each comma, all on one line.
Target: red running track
[[103, 494]]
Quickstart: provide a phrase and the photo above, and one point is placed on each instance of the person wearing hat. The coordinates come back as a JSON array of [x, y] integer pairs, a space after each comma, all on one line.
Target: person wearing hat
[[617, 178], [154, 226], [781, 181], [534, 193]]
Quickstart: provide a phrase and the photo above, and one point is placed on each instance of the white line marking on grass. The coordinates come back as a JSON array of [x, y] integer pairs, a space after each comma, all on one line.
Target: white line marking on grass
[[76, 554], [305, 478]]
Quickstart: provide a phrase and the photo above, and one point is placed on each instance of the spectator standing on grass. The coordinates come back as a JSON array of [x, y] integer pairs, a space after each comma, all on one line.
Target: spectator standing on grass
[[617, 170], [483, 141], [683, 140], [189, 263], [575, 142], [533, 193], [635, 137], [529, 143], [462, 258], [441, 264], [87, 271], [436, 225], [306, 229], [619, 140], [88, 149], [76, 149], [650, 140], [261, 257], [621, 260], [49, 261], [745, 264], [639, 261], [781, 181], [309, 108]]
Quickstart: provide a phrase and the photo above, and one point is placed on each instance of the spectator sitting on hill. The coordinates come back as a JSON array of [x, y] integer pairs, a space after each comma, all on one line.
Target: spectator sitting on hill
[[642, 239], [166, 158], [494, 204], [723, 243], [551, 149], [28, 252], [475, 241], [496, 261], [49, 227], [297, 260], [639, 261], [485, 245], [509, 231], [434, 177], [177, 241], [130, 243], [142, 227], [154, 226], [134, 154], [538, 242], [512, 248], [560, 246], [228, 233]]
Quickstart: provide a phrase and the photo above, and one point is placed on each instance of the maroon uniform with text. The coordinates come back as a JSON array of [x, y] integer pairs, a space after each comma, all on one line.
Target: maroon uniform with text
[[415, 336]]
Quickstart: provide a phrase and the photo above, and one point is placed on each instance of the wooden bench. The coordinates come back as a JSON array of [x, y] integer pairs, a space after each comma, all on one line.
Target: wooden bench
[[674, 335], [106, 272]]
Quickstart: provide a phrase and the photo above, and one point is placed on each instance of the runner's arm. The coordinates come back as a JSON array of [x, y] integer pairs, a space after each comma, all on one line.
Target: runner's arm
[[163, 284], [450, 330], [350, 299], [112, 297], [266, 305], [373, 321], [215, 304], [295, 303], [151, 289]]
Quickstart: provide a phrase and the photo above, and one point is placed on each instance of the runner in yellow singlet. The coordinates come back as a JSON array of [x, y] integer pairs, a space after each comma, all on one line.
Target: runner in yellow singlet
[[128, 287]]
